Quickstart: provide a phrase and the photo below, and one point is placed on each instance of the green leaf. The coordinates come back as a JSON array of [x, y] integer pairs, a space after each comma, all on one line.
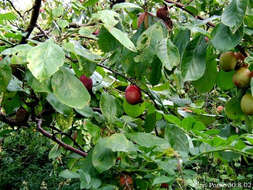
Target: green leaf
[[168, 54], [234, 13], [7, 16], [126, 6], [85, 179], [90, 2], [15, 85], [181, 40], [17, 49], [133, 110], [103, 158], [69, 90], [58, 106], [76, 48], [36, 85], [108, 106], [119, 143], [147, 140], [154, 72], [67, 174], [106, 41], [224, 80], [108, 17], [207, 81], [162, 179], [172, 119], [150, 122], [94, 130], [233, 109], [45, 59], [121, 37], [5, 75], [54, 152], [194, 59], [223, 39], [177, 138]]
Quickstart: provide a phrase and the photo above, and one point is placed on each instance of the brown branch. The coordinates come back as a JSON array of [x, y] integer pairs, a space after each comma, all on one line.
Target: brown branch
[[182, 6], [34, 18], [11, 121], [67, 135], [52, 137]]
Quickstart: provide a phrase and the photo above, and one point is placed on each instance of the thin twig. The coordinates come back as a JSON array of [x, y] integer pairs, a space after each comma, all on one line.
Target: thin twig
[[52, 137], [182, 6], [67, 135], [15, 9]]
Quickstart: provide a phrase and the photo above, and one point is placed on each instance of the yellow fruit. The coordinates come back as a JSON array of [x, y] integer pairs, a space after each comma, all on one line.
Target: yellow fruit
[[228, 61], [247, 104], [241, 77]]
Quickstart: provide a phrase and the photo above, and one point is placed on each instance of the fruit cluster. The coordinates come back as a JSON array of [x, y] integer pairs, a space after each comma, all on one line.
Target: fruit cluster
[[132, 92], [234, 61]]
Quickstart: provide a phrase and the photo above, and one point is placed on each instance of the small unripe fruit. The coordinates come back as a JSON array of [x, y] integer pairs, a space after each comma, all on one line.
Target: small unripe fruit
[[228, 61], [220, 108], [87, 82], [96, 32], [133, 94], [241, 77], [247, 104]]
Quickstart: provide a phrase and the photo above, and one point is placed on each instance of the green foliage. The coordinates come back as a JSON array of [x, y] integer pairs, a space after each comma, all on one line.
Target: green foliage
[[188, 132]]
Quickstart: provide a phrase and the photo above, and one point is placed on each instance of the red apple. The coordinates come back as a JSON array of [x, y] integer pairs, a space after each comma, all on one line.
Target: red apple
[[133, 94], [87, 82]]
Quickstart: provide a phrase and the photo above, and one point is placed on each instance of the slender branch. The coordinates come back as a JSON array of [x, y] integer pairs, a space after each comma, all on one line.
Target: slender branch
[[34, 18], [52, 137], [10, 121], [182, 6], [67, 135], [6, 42], [15, 9], [247, 154]]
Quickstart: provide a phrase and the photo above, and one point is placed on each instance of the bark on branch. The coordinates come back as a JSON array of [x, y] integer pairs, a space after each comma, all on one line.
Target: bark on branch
[[34, 18], [52, 137]]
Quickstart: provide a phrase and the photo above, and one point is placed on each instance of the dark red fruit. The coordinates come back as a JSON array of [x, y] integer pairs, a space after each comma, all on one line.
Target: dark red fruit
[[133, 94], [87, 82], [164, 185]]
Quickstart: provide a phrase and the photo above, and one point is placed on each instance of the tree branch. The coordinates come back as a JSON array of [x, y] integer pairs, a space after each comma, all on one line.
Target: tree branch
[[52, 137], [67, 135], [34, 18], [15, 9], [182, 6]]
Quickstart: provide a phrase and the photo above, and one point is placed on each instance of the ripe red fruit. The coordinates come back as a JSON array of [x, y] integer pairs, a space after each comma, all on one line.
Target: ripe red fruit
[[87, 82], [133, 94], [241, 78], [125, 180]]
